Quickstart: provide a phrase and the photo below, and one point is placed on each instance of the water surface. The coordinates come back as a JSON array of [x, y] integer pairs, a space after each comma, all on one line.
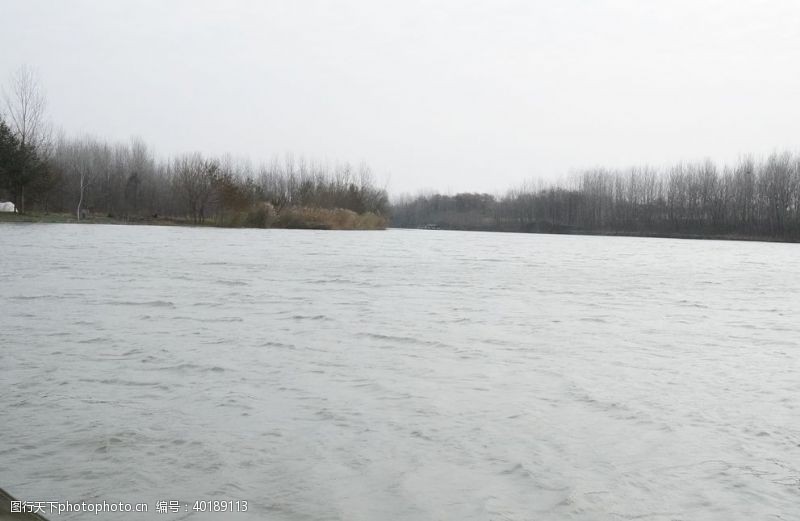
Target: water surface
[[401, 374]]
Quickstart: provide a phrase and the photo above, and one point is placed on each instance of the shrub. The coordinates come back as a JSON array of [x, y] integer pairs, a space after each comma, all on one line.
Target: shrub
[[260, 215], [326, 219]]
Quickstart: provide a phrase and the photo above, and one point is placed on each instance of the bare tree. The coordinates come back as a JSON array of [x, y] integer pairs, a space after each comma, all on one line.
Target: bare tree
[[25, 105], [195, 179], [84, 175]]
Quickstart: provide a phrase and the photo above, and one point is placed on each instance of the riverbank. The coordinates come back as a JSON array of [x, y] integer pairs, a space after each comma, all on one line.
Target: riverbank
[[289, 218], [620, 233]]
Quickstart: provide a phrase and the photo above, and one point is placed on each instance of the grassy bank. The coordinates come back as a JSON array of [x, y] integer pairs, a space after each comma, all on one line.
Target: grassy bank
[[263, 216], [40, 217]]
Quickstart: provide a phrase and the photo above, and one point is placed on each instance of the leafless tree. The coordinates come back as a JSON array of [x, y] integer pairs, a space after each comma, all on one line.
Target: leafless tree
[[26, 104], [194, 179]]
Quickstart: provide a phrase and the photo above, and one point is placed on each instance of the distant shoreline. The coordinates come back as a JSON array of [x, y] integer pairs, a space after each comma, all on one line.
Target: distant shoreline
[[613, 233], [62, 218]]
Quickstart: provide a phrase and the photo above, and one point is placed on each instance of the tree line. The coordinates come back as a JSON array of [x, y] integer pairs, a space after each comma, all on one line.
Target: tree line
[[753, 198], [125, 180], [87, 176]]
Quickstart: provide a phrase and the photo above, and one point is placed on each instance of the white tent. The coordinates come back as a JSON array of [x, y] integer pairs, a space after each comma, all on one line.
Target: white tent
[[6, 207]]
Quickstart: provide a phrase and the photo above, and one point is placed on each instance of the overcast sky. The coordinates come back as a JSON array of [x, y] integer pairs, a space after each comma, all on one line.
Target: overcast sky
[[448, 95]]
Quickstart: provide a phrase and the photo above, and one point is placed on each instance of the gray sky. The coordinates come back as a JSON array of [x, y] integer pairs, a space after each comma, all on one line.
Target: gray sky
[[449, 95]]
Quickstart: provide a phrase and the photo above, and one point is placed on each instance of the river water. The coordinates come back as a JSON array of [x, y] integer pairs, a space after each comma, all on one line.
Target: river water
[[408, 375]]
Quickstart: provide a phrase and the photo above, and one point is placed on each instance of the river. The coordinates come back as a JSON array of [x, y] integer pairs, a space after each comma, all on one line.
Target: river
[[409, 375]]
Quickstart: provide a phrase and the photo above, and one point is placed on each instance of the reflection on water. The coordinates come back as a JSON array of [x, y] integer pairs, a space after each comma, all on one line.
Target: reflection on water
[[401, 374]]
